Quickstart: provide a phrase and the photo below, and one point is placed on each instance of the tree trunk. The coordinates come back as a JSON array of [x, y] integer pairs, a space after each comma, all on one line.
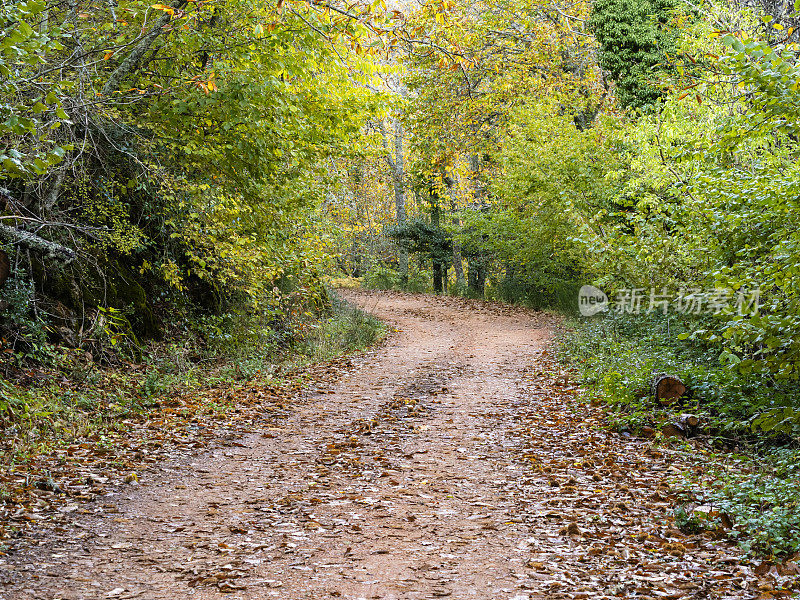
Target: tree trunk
[[475, 167], [438, 278], [399, 182], [438, 266], [689, 420], [476, 278], [458, 264], [356, 254], [397, 166], [684, 426]]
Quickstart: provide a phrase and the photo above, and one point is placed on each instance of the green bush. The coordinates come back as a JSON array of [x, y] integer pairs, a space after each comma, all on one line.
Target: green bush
[[382, 278], [616, 357], [21, 333], [346, 329], [419, 281], [759, 494], [551, 288]]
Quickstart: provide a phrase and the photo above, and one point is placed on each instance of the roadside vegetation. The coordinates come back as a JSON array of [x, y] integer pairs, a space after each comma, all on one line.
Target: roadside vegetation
[[72, 398]]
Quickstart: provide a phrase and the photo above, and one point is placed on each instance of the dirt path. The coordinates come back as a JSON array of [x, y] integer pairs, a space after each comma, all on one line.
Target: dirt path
[[449, 463]]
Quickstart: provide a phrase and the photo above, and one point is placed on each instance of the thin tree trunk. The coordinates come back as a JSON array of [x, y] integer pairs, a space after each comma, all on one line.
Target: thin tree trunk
[[476, 277], [397, 165], [438, 278], [399, 181], [438, 267], [458, 264]]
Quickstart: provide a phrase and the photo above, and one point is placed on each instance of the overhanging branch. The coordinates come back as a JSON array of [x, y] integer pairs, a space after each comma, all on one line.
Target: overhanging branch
[[31, 241]]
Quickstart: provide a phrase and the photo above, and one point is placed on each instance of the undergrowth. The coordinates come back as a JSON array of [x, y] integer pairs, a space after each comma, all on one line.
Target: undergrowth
[[385, 278], [757, 490], [758, 494], [347, 328]]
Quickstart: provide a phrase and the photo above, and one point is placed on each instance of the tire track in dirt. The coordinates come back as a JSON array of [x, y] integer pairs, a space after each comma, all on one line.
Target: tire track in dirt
[[453, 462]]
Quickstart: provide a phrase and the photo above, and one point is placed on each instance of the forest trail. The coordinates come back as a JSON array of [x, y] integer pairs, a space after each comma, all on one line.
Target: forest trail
[[452, 462]]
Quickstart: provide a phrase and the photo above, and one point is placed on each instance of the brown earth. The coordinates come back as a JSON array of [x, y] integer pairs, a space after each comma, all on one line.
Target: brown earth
[[454, 461]]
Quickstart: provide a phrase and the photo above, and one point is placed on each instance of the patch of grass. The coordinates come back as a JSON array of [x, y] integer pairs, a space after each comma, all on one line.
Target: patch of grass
[[346, 329]]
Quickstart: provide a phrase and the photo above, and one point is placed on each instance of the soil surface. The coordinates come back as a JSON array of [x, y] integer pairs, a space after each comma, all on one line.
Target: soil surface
[[455, 461]]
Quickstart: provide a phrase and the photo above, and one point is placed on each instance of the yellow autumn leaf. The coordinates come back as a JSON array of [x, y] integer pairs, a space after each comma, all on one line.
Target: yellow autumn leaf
[[163, 7]]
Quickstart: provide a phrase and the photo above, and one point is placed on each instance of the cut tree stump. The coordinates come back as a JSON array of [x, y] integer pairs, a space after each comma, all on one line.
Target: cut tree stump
[[689, 421], [685, 426], [667, 388]]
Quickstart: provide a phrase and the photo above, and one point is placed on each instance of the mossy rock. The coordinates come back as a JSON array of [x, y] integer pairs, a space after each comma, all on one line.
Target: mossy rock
[[82, 288], [124, 292]]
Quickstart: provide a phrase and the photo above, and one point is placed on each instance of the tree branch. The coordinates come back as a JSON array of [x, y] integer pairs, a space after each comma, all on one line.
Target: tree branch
[[130, 62], [31, 241]]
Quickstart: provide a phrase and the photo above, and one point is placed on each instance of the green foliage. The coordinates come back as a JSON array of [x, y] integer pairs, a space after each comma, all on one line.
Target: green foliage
[[698, 195], [154, 384], [616, 356], [418, 280], [22, 335], [687, 522], [382, 278], [346, 329], [30, 110], [420, 236], [760, 497], [185, 184], [635, 43], [530, 233]]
